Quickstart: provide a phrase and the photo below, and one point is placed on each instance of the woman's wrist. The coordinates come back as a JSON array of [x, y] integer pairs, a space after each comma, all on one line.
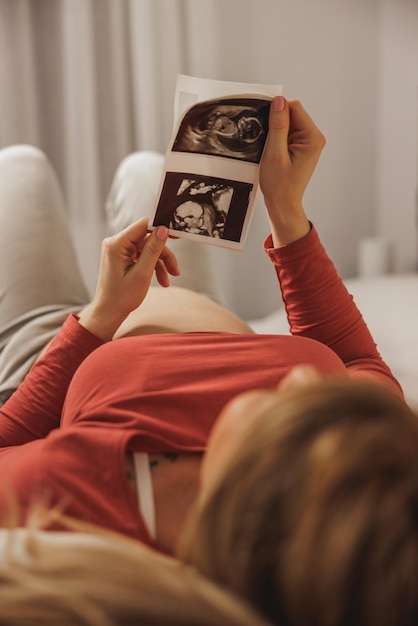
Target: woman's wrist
[[288, 226], [99, 323]]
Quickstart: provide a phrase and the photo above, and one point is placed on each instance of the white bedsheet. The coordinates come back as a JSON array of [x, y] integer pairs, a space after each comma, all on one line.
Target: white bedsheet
[[389, 305]]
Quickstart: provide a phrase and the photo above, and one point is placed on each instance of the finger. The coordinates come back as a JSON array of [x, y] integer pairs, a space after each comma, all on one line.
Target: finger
[[299, 117], [129, 241], [151, 252], [301, 122], [162, 274], [170, 261], [278, 128], [134, 232], [167, 264]]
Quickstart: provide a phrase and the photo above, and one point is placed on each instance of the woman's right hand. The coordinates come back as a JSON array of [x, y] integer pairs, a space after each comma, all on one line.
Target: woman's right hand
[[292, 150], [128, 261]]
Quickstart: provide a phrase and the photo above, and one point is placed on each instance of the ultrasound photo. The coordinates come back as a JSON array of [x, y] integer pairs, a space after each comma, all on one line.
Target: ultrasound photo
[[203, 206], [210, 179], [234, 128]]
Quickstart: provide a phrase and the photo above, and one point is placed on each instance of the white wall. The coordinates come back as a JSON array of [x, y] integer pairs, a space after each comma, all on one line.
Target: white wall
[[398, 130], [352, 63], [325, 54]]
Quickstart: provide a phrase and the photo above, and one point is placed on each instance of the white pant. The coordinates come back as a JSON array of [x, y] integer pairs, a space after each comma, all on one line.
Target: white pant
[[40, 280]]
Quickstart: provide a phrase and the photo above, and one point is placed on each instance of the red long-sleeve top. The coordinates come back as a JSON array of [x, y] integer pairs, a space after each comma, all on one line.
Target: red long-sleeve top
[[65, 431]]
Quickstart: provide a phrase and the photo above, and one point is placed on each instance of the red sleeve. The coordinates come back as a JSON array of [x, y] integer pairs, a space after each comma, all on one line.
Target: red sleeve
[[35, 407], [319, 306]]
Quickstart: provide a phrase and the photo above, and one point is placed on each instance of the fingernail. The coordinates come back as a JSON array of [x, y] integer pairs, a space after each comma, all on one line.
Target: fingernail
[[162, 232], [278, 103]]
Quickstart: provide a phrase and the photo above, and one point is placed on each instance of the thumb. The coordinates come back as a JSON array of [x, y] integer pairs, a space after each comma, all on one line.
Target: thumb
[[279, 122], [152, 250]]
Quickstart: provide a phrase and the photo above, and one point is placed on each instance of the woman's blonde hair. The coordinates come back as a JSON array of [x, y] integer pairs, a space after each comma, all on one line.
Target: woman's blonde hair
[[315, 518], [102, 579]]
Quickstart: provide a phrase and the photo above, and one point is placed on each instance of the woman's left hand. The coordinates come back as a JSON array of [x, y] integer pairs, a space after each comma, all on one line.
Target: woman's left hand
[[128, 261]]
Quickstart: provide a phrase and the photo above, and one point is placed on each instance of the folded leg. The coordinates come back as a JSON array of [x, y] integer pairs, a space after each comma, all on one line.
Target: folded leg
[[40, 281]]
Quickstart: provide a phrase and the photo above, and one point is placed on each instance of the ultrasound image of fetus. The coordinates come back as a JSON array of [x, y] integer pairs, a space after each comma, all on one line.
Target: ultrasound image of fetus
[[198, 210], [230, 130], [192, 217]]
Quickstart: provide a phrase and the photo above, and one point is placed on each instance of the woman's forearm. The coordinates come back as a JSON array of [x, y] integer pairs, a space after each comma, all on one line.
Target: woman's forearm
[[35, 408]]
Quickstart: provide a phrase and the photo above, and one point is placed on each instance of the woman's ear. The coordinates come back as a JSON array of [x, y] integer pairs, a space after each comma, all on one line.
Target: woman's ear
[[300, 375]]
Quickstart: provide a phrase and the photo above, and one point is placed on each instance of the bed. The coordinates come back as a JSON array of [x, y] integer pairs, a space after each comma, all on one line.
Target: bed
[[389, 304]]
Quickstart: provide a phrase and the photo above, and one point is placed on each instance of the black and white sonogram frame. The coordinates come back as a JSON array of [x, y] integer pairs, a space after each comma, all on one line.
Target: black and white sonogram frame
[[234, 127], [203, 208]]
